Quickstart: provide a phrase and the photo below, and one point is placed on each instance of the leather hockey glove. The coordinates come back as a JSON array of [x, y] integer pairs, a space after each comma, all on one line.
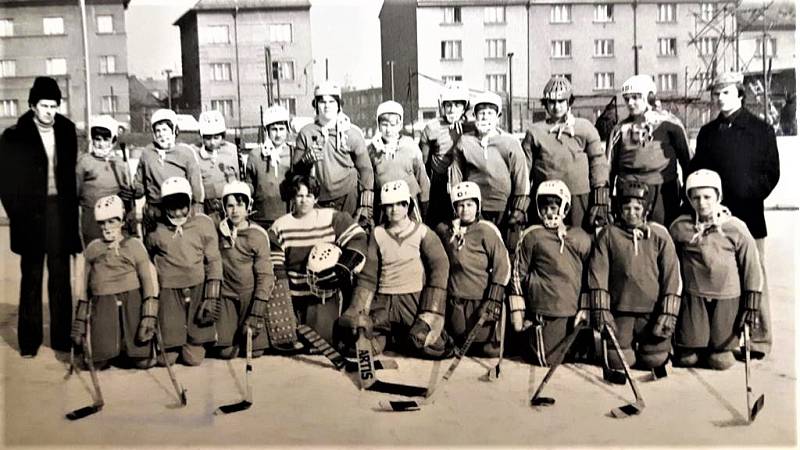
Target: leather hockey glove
[[255, 320], [312, 155], [494, 297], [751, 301], [127, 194], [517, 306], [211, 307], [516, 216], [598, 215], [364, 211], [584, 308], [357, 314], [600, 302], [429, 324], [79, 324], [147, 324], [667, 319], [423, 210]]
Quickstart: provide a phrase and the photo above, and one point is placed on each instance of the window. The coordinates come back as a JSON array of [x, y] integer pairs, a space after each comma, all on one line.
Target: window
[[451, 78], [568, 76], [280, 32], [221, 71], [8, 68], [561, 49], [8, 108], [494, 14], [604, 13], [667, 82], [452, 15], [108, 64], [53, 25], [772, 47], [496, 82], [223, 106], [603, 47], [290, 104], [6, 27], [215, 34], [495, 48], [603, 80], [667, 46], [560, 13], [109, 104], [105, 24], [283, 70], [63, 108], [707, 46], [703, 80], [667, 12], [707, 11], [56, 66], [451, 49]]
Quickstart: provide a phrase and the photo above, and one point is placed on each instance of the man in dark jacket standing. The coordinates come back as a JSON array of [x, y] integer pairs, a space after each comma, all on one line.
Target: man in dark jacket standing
[[38, 191], [742, 149]]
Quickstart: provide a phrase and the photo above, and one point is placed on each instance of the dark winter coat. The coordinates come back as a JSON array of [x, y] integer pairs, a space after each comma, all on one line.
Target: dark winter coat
[[23, 183], [745, 154]]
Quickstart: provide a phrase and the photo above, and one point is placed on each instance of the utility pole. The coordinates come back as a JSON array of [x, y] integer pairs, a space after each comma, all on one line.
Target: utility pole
[[268, 72], [510, 94], [635, 42], [236, 51], [764, 61], [169, 88], [279, 72], [326, 69], [413, 114], [88, 74], [391, 76]]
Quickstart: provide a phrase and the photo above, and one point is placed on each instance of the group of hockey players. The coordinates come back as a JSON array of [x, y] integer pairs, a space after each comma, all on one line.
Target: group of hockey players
[[411, 242]]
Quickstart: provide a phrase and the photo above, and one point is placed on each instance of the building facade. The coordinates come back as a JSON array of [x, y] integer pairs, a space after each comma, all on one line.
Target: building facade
[[360, 105], [45, 38], [240, 56]]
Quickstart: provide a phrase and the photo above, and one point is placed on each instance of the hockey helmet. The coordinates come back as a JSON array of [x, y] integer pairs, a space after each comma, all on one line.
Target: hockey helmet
[[629, 189], [327, 88], [395, 192], [557, 189], [639, 84], [454, 92], [488, 98], [704, 178], [109, 207], [275, 114], [464, 191], [176, 185], [321, 259], [106, 123], [237, 187], [389, 107], [211, 123], [557, 88], [164, 115]]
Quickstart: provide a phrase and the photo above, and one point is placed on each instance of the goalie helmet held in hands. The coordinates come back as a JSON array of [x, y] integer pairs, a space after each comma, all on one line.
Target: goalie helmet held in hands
[[321, 261]]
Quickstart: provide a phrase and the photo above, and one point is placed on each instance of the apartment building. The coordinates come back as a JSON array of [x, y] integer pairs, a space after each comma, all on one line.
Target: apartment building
[[779, 29], [361, 104], [45, 38], [238, 54]]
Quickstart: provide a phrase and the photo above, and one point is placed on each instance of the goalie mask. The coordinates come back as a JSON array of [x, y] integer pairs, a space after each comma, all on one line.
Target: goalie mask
[[321, 261], [548, 190]]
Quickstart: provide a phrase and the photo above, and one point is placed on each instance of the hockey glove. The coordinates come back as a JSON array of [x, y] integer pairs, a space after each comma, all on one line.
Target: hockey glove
[[667, 320], [211, 307], [127, 194], [423, 210], [147, 324], [357, 314], [214, 205], [429, 324], [598, 207], [255, 320], [364, 211], [517, 306], [516, 216], [751, 301], [79, 324], [584, 307], [312, 155], [198, 208], [494, 297], [600, 302]]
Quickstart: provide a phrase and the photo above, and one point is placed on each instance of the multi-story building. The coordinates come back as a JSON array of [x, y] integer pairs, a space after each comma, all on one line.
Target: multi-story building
[[779, 30], [45, 38], [237, 55], [361, 104]]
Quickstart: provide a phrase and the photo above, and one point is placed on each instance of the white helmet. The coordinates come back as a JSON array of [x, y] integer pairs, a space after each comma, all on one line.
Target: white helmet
[[464, 191], [554, 188], [488, 98], [454, 92], [704, 178], [639, 84], [395, 192], [327, 88], [557, 88], [109, 207], [105, 122], [237, 187], [389, 107], [275, 114], [176, 185], [164, 115], [322, 257], [211, 123]]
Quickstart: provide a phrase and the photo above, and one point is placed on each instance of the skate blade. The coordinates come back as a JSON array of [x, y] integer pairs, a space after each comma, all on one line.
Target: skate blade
[[233, 407], [80, 413], [757, 407], [399, 405], [631, 409], [614, 376], [543, 401]]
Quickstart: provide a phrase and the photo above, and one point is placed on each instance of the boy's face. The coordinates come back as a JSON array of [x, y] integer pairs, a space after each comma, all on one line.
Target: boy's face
[[636, 103], [550, 212], [236, 210], [102, 141], [163, 135], [467, 210], [390, 126], [111, 229], [556, 109], [277, 133], [453, 111], [178, 212], [212, 142], [633, 212], [486, 118], [327, 107], [304, 201], [396, 212], [704, 200]]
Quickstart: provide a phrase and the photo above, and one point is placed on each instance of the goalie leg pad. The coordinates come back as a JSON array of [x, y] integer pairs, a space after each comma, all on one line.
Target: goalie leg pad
[[281, 320]]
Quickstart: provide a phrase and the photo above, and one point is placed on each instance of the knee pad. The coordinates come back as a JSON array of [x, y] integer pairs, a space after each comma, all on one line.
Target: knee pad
[[172, 357], [227, 352], [721, 360], [685, 358], [143, 363], [193, 355], [653, 360], [615, 363]]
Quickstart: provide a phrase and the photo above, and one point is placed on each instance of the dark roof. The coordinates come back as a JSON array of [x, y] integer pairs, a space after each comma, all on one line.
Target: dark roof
[[140, 94], [228, 5], [780, 16], [10, 3]]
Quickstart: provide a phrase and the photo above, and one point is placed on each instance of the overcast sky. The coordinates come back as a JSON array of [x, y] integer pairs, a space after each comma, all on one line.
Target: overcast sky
[[345, 31]]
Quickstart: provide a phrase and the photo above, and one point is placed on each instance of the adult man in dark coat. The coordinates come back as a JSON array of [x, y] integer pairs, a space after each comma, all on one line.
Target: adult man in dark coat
[[742, 149], [38, 191]]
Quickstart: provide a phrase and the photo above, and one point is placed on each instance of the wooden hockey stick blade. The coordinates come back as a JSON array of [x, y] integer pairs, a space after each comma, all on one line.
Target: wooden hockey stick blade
[[380, 364], [403, 390], [80, 413], [757, 407], [400, 405], [543, 401], [233, 407], [614, 376], [631, 409]]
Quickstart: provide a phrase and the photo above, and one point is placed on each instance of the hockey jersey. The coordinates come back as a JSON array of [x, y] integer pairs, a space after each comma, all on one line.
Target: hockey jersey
[[437, 141], [99, 177], [218, 168], [266, 169], [157, 165], [185, 256], [114, 268], [246, 264], [402, 161], [637, 267]]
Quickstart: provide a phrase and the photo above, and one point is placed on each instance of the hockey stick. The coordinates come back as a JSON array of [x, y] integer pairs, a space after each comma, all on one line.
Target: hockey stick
[[97, 395], [248, 398], [180, 390], [631, 409], [366, 372], [413, 405], [560, 354], [752, 411], [610, 375], [494, 372], [319, 344]]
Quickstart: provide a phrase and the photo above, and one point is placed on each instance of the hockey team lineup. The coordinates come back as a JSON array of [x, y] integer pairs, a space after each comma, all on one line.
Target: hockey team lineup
[[627, 253]]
